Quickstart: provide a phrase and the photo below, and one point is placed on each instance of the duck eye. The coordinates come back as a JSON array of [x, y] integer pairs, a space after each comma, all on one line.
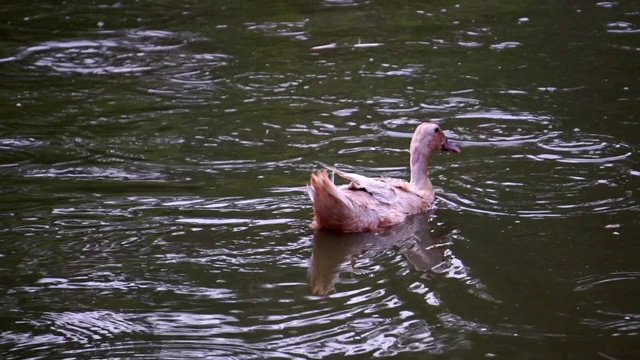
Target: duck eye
[[437, 130]]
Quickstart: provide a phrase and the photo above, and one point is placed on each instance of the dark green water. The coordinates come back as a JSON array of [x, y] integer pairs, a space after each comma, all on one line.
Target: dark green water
[[154, 156]]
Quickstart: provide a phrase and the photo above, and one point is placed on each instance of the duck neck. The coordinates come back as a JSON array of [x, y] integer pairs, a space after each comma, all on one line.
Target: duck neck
[[420, 169]]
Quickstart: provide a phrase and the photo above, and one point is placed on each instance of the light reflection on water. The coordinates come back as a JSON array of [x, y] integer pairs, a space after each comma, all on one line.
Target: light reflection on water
[[154, 202]]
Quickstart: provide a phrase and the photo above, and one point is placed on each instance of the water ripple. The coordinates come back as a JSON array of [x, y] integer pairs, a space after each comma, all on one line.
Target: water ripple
[[587, 173], [585, 148], [260, 83], [154, 157], [98, 173], [17, 151], [132, 52], [625, 320], [293, 29], [590, 282]]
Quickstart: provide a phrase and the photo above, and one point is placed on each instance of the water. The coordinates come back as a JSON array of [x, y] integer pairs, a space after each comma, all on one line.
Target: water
[[154, 157]]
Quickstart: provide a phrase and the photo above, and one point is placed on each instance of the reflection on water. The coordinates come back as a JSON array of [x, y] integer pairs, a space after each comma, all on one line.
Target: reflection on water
[[153, 158], [412, 239]]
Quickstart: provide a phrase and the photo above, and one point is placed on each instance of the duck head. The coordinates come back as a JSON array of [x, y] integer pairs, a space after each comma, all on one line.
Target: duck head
[[427, 138]]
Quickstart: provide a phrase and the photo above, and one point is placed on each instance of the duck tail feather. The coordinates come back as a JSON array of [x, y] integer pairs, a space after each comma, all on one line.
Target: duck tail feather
[[321, 184], [329, 203]]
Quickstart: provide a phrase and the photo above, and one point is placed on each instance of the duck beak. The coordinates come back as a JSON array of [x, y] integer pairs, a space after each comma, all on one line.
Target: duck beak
[[449, 146]]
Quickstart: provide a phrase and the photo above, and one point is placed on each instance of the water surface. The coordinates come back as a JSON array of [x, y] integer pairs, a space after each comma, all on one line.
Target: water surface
[[154, 157]]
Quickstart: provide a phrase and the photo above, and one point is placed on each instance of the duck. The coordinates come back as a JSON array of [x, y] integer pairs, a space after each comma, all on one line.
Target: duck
[[372, 204]]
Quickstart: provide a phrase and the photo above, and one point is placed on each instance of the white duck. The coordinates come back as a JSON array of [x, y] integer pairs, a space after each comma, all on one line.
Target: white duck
[[369, 204]]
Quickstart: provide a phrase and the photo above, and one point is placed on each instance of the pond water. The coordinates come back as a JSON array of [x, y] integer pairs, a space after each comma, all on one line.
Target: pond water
[[154, 157]]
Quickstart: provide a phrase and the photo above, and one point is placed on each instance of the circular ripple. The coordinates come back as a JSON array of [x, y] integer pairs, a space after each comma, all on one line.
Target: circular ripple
[[501, 128], [558, 176], [131, 52]]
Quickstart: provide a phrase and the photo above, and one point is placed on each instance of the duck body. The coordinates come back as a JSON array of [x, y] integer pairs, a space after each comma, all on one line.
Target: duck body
[[366, 204], [370, 204]]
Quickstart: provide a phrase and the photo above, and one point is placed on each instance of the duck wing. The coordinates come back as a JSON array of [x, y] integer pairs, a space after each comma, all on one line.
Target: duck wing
[[384, 190]]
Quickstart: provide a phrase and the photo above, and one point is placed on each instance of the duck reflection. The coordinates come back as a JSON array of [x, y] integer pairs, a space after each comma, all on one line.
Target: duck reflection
[[411, 238]]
